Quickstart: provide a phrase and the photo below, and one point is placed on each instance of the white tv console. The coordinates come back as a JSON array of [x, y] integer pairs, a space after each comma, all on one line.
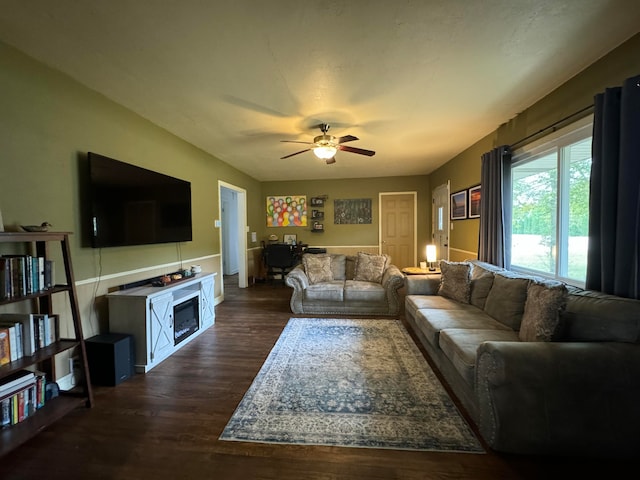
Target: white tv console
[[147, 313]]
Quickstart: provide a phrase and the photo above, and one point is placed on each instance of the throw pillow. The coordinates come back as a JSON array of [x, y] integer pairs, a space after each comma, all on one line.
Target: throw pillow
[[481, 283], [370, 267], [317, 268], [506, 298], [456, 281], [541, 317]]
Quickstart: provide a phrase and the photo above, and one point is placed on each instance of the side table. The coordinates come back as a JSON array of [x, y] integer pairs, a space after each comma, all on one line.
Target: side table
[[420, 271]]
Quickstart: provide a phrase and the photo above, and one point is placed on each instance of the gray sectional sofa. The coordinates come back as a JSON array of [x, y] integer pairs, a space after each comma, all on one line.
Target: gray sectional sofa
[[541, 367], [362, 284]]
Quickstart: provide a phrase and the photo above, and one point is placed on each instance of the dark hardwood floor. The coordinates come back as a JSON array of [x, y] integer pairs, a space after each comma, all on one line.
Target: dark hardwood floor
[[165, 424]]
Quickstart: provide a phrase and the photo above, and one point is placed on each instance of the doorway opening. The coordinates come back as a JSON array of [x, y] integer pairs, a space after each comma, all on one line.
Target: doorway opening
[[232, 201]]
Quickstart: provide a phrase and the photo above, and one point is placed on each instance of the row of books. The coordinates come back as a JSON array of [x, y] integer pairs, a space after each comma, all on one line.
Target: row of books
[[23, 275], [23, 334], [21, 394]]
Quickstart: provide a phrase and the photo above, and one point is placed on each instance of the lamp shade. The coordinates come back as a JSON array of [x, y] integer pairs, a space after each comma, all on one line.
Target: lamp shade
[[431, 253]]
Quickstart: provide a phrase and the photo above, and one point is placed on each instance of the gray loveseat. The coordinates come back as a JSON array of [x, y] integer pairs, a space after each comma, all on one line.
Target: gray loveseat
[[363, 284], [541, 367]]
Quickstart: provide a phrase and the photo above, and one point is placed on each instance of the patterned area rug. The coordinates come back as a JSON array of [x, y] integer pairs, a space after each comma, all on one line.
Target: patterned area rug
[[352, 383]]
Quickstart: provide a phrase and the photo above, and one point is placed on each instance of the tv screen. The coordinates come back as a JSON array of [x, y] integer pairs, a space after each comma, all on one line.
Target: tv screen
[[134, 206]]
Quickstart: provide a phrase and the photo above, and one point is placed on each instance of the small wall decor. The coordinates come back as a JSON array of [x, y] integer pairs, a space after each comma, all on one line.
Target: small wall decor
[[318, 227], [317, 215], [317, 201], [475, 194], [352, 211], [290, 238], [459, 205], [287, 211]]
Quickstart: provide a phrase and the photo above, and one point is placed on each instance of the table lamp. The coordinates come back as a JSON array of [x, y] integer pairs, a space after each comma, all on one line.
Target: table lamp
[[431, 257]]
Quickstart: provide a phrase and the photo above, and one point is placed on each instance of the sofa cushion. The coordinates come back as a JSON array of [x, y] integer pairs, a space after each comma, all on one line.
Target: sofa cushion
[[338, 266], [370, 267], [331, 291], [456, 281], [317, 268], [460, 346], [432, 320], [506, 299], [481, 283], [358, 291], [541, 317]]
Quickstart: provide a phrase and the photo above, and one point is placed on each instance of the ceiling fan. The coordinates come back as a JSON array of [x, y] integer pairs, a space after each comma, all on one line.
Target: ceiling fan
[[325, 146]]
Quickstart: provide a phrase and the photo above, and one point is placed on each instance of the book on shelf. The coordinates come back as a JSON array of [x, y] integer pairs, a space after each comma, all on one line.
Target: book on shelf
[[21, 394], [13, 340], [29, 330], [5, 348], [15, 381], [24, 275], [5, 279]]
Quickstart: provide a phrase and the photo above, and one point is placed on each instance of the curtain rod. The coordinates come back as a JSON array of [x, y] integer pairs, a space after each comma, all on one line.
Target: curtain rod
[[580, 113]]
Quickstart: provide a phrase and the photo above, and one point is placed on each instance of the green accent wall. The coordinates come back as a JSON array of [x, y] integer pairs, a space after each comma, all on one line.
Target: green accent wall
[[463, 170], [48, 123], [349, 235]]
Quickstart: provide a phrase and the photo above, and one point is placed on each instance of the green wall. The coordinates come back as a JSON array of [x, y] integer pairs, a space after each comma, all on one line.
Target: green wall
[[350, 235], [464, 170], [48, 122]]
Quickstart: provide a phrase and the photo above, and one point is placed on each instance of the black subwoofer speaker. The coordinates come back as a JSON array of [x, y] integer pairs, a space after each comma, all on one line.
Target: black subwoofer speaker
[[111, 358]]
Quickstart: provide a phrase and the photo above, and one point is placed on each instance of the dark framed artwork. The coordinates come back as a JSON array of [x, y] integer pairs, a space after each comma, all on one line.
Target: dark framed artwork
[[317, 215], [352, 211], [317, 201], [475, 195], [459, 205]]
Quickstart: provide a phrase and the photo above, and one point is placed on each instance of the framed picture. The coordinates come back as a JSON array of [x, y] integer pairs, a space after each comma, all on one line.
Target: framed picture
[[317, 201], [459, 205], [318, 226], [290, 238], [474, 201], [352, 210], [317, 214]]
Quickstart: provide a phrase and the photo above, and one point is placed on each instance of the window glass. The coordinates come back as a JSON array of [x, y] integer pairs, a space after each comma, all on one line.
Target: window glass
[[550, 205]]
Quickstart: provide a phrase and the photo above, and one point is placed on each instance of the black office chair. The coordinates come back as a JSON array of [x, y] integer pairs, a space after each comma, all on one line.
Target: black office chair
[[279, 259]]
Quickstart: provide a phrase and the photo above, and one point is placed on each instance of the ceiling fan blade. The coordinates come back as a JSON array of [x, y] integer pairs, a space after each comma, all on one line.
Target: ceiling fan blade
[[291, 155], [331, 160], [347, 138], [361, 151], [295, 141]]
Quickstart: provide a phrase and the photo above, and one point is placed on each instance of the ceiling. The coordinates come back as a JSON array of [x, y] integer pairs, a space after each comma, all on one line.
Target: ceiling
[[418, 81]]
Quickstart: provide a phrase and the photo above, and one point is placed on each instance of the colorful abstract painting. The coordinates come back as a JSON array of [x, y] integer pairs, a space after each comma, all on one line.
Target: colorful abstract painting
[[287, 211]]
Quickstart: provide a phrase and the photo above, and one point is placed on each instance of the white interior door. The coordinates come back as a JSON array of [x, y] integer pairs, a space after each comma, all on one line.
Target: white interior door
[[440, 221]]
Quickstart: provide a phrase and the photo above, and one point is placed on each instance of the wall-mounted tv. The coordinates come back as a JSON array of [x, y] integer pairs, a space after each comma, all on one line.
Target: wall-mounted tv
[[134, 206]]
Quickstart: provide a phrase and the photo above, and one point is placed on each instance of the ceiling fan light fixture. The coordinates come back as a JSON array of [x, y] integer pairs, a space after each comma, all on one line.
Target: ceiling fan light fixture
[[325, 152]]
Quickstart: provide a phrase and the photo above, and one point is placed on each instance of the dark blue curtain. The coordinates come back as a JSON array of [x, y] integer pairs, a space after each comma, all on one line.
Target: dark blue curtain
[[495, 178], [614, 202]]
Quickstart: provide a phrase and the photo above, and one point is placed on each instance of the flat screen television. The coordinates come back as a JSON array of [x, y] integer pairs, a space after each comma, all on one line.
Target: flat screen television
[[134, 206]]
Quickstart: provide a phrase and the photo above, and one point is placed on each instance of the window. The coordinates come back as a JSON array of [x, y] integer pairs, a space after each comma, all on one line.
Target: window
[[550, 204]]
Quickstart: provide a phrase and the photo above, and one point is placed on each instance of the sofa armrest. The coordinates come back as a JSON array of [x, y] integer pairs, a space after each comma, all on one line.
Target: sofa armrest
[[392, 281], [422, 284], [559, 398], [298, 280]]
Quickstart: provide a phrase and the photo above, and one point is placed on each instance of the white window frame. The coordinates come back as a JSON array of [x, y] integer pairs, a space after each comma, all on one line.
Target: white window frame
[[555, 141]]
